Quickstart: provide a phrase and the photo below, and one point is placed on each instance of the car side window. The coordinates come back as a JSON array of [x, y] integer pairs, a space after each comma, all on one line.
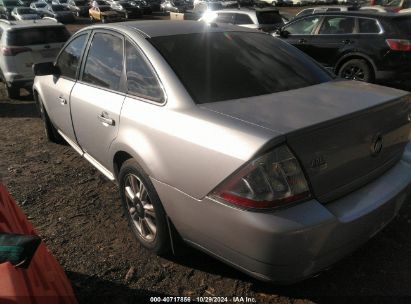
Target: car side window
[[141, 79], [69, 58], [337, 25], [104, 63], [243, 19], [225, 18], [368, 26], [303, 27]]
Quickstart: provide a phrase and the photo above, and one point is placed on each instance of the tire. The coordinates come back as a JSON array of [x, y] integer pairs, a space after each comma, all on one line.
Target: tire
[[146, 216], [51, 132], [11, 91], [356, 69]]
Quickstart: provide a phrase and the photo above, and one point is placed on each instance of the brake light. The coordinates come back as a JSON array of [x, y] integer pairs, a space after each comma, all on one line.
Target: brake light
[[13, 51], [272, 180], [399, 44]]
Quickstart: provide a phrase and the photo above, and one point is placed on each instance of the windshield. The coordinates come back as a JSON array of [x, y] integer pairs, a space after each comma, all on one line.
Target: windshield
[[59, 8], [269, 17], [388, 2], [11, 3], [222, 66], [26, 11], [32, 36]]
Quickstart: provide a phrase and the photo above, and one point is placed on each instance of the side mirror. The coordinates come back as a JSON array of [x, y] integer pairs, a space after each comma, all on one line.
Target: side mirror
[[283, 33], [45, 68], [18, 249]]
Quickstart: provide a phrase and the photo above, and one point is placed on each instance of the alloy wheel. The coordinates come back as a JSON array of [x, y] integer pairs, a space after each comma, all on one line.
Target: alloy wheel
[[353, 72], [140, 208]]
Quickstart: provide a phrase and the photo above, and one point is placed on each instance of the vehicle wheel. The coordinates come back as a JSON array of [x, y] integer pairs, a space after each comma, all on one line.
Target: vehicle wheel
[[50, 131], [11, 91], [143, 208], [356, 69]]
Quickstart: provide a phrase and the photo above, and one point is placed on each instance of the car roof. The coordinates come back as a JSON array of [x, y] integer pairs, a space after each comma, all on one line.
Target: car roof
[[360, 13], [156, 28], [28, 23], [246, 10]]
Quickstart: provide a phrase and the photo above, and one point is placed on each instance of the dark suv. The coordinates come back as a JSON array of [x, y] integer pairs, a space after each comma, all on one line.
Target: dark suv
[[364, 46]]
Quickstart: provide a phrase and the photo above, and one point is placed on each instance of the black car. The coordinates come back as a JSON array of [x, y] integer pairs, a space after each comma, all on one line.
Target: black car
[[60, 13], [126, 9], [365, 46], [6, 6], [78, 7]]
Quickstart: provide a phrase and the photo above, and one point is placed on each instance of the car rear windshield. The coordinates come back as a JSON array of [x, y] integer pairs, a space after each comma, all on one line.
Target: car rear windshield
[[32, 36], [229, 65], [26, 11], [11, 3], [271, 17]]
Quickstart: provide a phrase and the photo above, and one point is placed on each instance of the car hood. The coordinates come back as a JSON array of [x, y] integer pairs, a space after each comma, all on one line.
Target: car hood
[[292, 110]]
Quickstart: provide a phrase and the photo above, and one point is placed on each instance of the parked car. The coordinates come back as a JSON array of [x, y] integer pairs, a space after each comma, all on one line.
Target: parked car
[[104, 14], [60, 2], [360, 45], [267, 20], [176, 6], [322, 9], [39, 7], [6, 6], [309, 167], [126, 10], [392, 5], [24, 13], [78, 7], [27, 268], [24, 43], [59, 12]]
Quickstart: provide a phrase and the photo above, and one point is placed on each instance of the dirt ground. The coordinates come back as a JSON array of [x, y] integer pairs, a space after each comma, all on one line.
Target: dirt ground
[[77, 212]]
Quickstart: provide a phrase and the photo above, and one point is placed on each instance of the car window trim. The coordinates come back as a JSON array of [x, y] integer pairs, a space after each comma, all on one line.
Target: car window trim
[[143, 97], [122, 85], [81, 55]]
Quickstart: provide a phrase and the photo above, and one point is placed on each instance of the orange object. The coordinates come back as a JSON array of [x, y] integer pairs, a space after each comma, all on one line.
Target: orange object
[[44, 281]]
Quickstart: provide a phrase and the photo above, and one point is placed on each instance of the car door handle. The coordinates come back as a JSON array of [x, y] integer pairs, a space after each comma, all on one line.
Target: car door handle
[[103, 117], [62, 100], [302, 40]]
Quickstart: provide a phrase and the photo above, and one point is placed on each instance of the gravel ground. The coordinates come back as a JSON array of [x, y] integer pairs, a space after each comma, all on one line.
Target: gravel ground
[[77, 212]]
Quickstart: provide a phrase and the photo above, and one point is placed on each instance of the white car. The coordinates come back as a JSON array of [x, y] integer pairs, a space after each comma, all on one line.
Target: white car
[[23, 44], [24, 13]]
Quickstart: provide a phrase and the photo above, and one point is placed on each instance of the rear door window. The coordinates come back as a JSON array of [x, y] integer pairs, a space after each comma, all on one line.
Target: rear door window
[[104, 63], [225, 18], [337, 25], [304, 26], [368, 26], [40, 35], [243, 19]]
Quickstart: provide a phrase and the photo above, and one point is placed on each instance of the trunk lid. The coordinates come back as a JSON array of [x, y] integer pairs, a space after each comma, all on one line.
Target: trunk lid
[[344, 133]]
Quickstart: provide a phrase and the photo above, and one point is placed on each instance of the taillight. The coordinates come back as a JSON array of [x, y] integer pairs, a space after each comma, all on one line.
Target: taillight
[[272, 180], [399, 44], [13, 50]]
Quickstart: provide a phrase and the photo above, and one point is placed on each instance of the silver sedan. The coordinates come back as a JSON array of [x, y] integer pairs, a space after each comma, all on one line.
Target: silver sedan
[[231, 140]]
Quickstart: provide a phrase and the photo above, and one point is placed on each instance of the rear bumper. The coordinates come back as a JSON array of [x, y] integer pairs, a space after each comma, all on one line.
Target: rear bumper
[[291, 244]]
